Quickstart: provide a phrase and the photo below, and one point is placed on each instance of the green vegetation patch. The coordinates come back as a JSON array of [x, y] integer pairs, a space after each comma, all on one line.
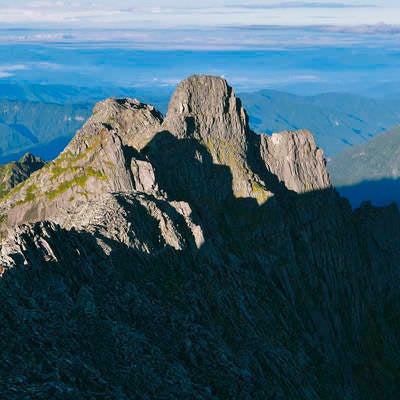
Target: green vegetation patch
[[13, 191], [65, 162], [82, 193], [261, 193], [79, 180], [3, 189], [5, 173], [31, 194]]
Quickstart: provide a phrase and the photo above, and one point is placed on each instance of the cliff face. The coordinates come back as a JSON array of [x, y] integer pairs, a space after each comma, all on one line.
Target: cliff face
[[295, 159], [191, 258]]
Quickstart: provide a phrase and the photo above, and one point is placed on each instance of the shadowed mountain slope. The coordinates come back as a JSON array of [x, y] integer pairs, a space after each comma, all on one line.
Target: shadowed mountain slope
[[190, 258], [369, 171]]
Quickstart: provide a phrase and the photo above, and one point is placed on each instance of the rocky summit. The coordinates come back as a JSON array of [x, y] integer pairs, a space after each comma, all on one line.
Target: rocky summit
[[187, 257]]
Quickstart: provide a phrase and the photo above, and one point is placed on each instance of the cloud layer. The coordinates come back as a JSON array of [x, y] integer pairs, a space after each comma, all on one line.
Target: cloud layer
[[299, 4], [7, 70], [194, 13], [209, 24], [218, 38]]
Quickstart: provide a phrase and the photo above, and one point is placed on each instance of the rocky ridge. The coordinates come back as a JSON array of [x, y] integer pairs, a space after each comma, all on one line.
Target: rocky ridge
[[188, 257], [14, 173], [109, 153]]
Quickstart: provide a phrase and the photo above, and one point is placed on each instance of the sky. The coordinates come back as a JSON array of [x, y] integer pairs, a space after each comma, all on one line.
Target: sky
[[129, 14], [85, 42]]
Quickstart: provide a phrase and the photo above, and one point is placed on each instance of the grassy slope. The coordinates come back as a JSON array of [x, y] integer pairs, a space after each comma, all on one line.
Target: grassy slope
[[5, 171]]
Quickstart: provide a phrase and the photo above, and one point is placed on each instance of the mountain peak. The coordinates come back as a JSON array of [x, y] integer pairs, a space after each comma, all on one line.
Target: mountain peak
[[150, 262], [134, 122], [201, 105], [126, 146], [29, 158], [201, 94], [205, 108]]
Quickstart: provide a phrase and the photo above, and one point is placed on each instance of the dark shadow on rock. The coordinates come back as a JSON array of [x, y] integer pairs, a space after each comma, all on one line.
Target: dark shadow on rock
[[257, 165], [277, 303], [185, 171]]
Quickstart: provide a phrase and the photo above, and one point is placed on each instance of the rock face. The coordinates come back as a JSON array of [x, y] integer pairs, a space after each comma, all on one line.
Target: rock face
[[294, 158], [191, 258], [206, 110], [95, 162]]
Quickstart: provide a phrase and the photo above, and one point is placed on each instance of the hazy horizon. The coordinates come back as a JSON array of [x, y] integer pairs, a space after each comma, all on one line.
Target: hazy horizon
[[297, 46], [172, 13]]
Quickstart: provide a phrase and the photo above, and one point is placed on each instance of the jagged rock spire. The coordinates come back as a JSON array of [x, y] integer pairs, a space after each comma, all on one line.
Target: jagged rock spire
[[209, 127], [205, 108], [153, 279]]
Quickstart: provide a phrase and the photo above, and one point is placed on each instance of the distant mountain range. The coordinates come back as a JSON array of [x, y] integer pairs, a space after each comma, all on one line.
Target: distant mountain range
[[64, 94], [369, 171], [43, 118], [40, 128], [338, 120]]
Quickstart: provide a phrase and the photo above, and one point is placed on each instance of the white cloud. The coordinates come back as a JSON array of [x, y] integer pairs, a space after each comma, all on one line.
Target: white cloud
[[13, 67], [300, 4], [5, 74], [7, 70], [209, 24], [375, 29], [233, 37], [195, 13]]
